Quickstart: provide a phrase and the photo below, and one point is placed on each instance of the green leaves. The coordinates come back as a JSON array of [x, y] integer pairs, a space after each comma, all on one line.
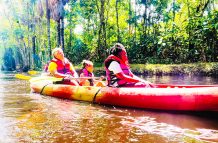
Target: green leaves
[[19, 33], [155, 31], [4, 35]]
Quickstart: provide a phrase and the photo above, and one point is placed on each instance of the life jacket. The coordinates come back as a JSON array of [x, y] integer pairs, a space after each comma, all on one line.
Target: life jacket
[[87, 74], [111, 77], [62, 67]]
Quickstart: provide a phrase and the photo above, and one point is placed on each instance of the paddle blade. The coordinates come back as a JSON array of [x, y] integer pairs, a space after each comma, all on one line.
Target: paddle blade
[[44, 78], [23, 77], [32, 72]]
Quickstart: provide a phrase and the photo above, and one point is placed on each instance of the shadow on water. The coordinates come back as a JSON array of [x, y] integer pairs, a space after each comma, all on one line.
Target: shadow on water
[[29, 117]]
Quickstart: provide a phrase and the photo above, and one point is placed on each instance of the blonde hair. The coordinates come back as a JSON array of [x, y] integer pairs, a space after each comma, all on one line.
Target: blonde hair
[[87, 62], [55, 50]]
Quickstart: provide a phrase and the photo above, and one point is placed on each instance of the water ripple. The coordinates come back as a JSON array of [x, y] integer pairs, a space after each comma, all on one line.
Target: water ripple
[[30, 117]]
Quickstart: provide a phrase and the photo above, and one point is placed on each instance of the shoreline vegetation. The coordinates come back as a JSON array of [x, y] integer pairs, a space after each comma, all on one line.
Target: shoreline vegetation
[[196, 69], [192, 69]]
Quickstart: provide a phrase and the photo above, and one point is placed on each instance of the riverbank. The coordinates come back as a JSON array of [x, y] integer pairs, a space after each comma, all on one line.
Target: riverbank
[[200, 69]]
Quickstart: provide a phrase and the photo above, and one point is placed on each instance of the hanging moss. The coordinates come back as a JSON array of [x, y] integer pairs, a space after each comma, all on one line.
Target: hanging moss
[[8, 60]]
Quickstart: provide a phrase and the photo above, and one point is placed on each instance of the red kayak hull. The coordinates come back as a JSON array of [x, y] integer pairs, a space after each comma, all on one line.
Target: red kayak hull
[[163, 97]]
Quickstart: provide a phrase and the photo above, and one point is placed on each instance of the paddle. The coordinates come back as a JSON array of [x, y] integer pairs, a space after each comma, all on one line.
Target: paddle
[[32, 72], [26, 77], [23, 77]]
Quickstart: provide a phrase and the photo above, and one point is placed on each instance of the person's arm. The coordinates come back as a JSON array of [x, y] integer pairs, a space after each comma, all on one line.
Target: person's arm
[[52, 69], [136, 77], [73, 71], [127, 78], [140, 79], [131, 74], [116, 69], [82, 81]]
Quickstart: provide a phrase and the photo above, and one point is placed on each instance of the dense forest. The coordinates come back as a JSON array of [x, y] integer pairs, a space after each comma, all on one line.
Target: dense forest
[[153, 31]]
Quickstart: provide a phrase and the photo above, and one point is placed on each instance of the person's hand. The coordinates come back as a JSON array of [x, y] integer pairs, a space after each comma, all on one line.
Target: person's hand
[[141, 80], [147, 83], [68, 78], [144, 81], [101, 77]]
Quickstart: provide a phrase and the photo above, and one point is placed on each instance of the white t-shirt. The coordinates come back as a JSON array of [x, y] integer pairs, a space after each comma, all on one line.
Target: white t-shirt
[[115, 67]]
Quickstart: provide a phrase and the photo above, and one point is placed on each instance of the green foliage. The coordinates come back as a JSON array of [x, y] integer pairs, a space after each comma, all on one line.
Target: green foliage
[[19, 33], [154, 31], [4, 35], [79, 52]]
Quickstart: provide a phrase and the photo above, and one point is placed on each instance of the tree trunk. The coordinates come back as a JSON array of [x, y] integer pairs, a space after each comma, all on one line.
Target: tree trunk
[[102, 43], [215, 44], [25, 55], [48, 28], [34, 44], [130, 18], [59, 33], [135, 24], [174, 14], [71, 32], [173, 43], [145, 20], [189, 34], [34, 50], [62, 33], [143, 37], [117, 18], [28, 35], [103, 26]]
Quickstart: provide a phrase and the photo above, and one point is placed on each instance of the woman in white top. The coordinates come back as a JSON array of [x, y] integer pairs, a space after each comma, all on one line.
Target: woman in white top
[[118, 71]]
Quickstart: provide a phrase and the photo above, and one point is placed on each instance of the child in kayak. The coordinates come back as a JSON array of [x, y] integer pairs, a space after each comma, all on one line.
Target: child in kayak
[[87, 71]]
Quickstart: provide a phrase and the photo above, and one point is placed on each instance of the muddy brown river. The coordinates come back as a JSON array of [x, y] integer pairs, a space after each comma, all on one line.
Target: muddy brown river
[[26, 117]]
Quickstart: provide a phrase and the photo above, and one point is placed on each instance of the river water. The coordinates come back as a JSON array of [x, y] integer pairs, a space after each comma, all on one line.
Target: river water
[[27, 117]]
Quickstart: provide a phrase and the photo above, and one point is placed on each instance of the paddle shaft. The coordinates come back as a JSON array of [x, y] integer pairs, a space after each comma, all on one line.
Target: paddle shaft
[[26, 77], [84, 77]]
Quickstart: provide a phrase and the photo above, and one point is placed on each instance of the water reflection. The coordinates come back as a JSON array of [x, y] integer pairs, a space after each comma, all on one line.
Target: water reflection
[[182, 80], [29, 117]]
